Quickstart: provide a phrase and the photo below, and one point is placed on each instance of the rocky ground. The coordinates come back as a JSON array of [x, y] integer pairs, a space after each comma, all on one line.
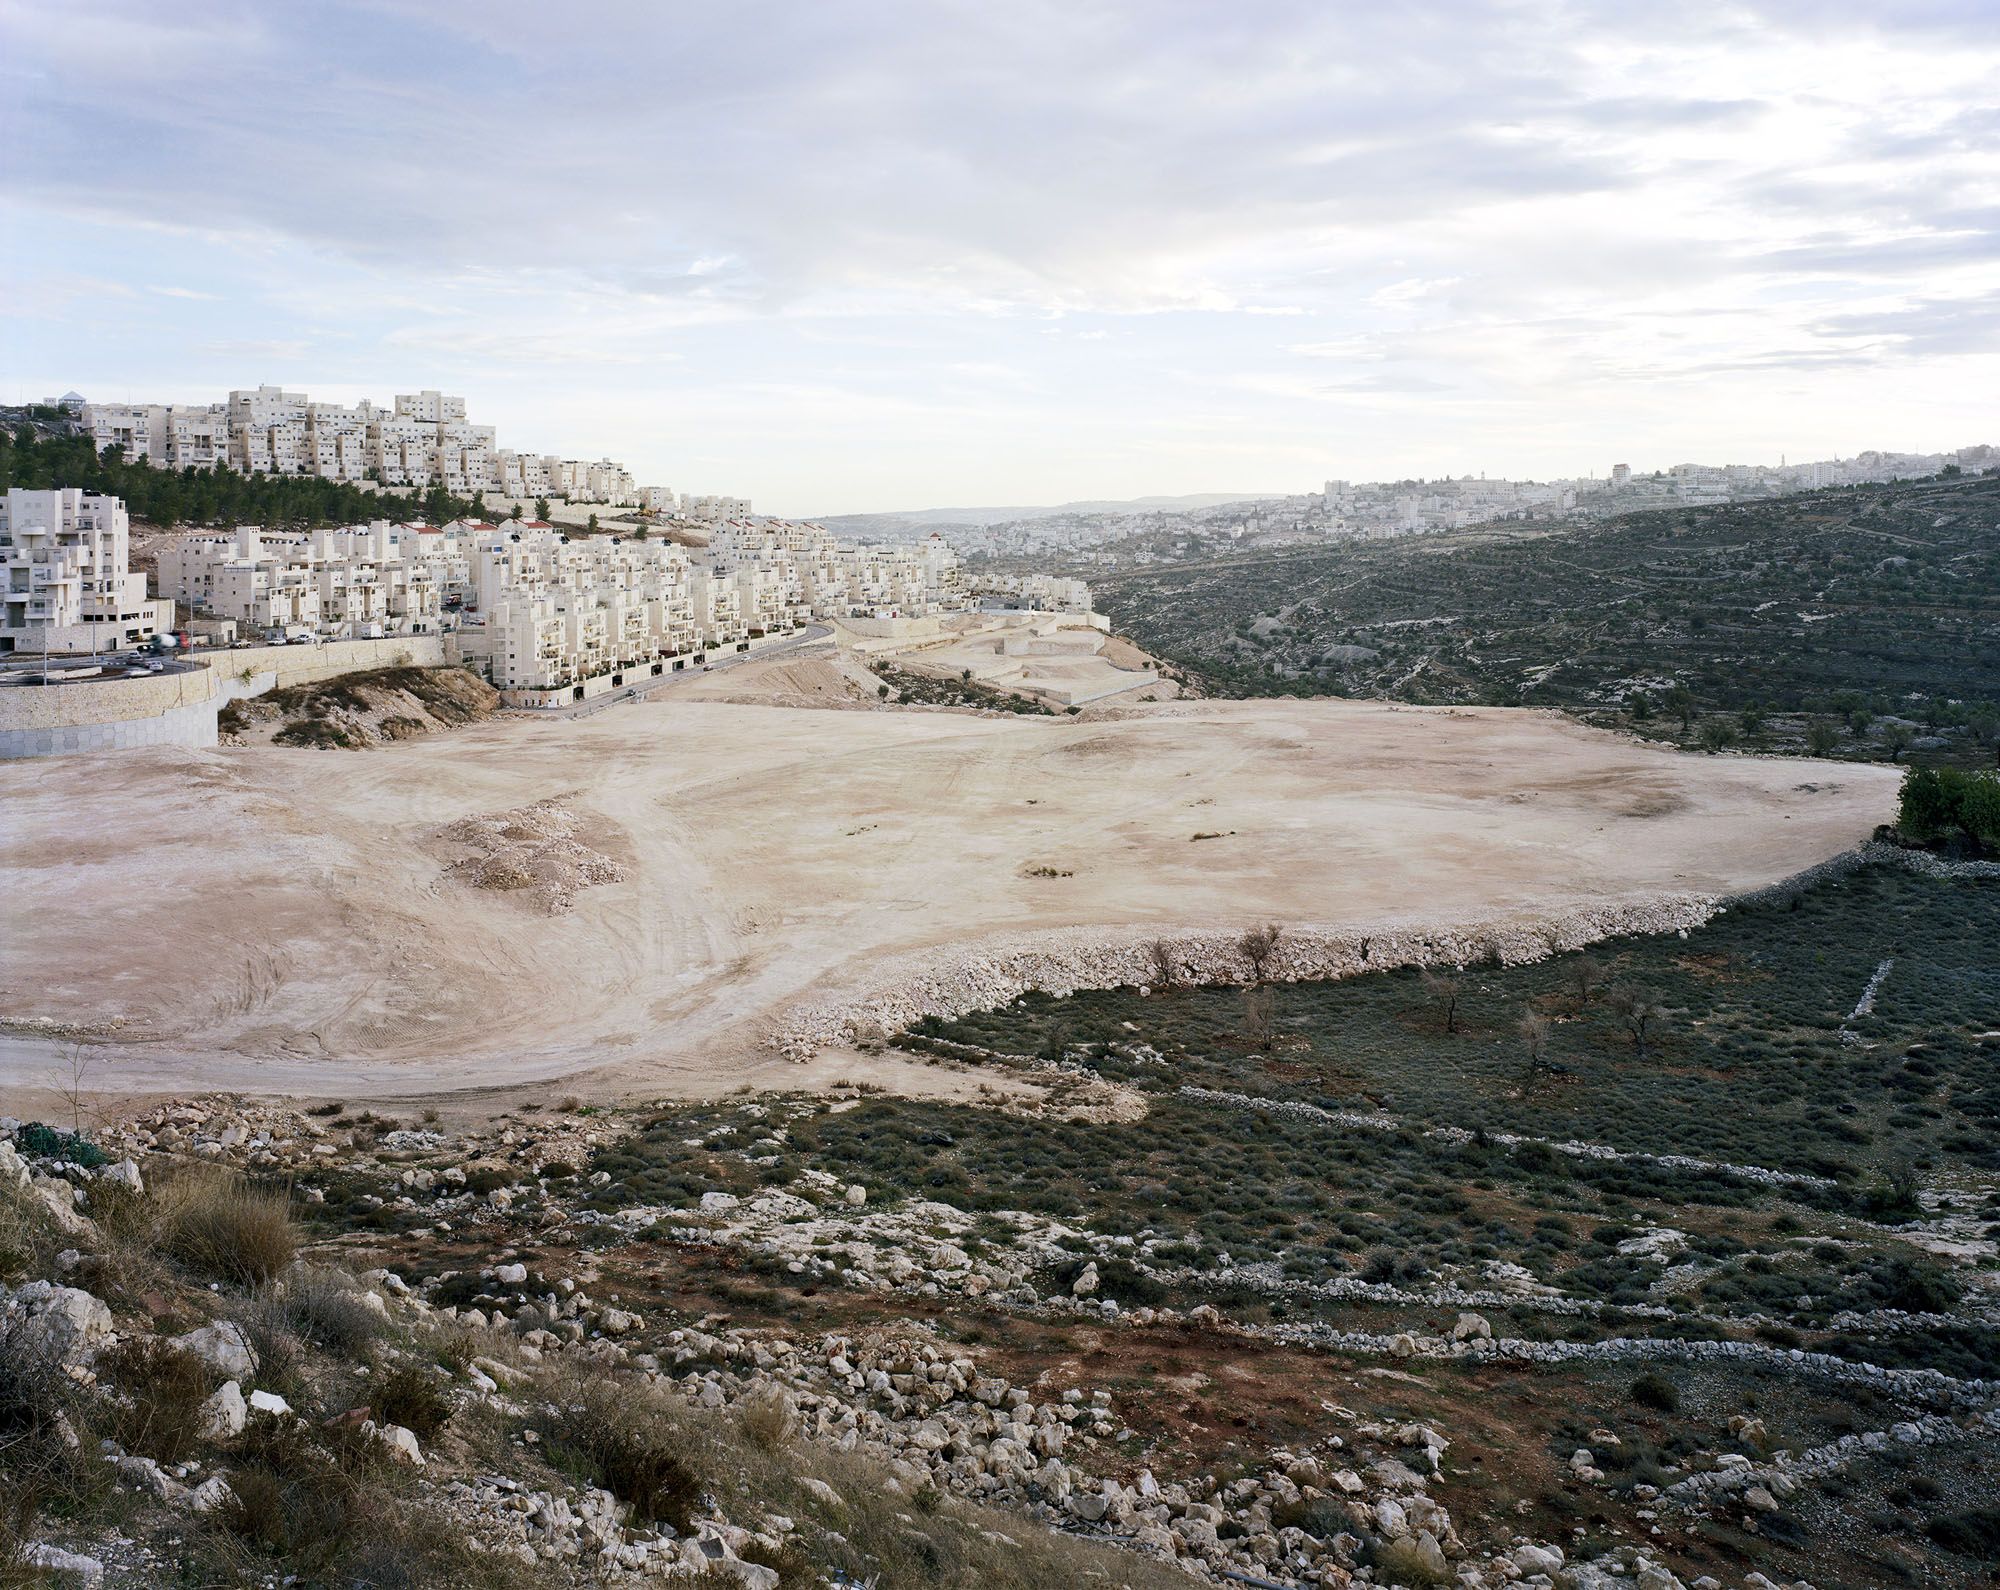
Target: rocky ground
[[503, 1374]]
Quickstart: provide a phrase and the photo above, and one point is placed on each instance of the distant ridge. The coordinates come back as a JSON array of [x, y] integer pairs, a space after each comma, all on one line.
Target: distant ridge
[[985, 516]]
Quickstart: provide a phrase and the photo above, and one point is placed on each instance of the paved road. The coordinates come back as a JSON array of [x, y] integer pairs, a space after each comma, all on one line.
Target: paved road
[[645, 687]]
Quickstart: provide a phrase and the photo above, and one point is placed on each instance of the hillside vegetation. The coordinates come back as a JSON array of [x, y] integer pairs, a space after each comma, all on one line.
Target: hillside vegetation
[[1858, 622]]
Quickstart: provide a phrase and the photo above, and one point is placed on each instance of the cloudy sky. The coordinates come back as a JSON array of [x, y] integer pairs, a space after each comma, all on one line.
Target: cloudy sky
[[861, 254]]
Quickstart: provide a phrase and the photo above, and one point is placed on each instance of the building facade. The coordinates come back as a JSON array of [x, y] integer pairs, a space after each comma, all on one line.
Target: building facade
[[68, 584]]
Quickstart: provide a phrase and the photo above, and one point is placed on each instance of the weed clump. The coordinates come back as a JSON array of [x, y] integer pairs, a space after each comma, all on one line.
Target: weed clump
[[224, 1229], [627, 1445]]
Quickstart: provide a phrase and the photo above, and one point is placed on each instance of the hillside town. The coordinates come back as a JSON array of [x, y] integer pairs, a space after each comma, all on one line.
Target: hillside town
[[420, 440], [1344, 510], [538, 608]]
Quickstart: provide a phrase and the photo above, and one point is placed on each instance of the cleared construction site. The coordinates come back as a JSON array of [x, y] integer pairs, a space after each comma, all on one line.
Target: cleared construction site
[[684, 895]]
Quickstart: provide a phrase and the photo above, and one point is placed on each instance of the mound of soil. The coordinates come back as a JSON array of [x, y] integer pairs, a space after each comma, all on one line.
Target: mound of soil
[[532, 850], [356, 711]]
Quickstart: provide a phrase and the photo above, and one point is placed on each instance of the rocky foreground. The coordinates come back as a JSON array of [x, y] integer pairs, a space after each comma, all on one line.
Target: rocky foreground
[[494, 1404]]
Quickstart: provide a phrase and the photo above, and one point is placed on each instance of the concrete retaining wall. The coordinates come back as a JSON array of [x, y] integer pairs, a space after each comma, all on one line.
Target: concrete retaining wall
[[109, 714], [303, 665], [179, 708]]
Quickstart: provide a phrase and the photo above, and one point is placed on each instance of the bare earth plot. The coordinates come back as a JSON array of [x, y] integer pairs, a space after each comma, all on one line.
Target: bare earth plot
[[644, 895]]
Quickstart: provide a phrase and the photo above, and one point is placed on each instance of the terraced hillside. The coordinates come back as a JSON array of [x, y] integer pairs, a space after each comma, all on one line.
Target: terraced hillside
[[1862, 622]]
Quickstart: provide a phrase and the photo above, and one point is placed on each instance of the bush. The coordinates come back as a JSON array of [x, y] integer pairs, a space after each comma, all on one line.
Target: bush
[[627, 1445], [1655, 1391], [325, 1306], [413, 1399], [221, 1227], [44, 1466], [46, 1142], [1941, 803], [163, 1389], [769, 1417], [1974, 1533], [1402, 1562]]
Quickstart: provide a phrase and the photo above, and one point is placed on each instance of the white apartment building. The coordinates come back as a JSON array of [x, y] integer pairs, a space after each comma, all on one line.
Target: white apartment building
[[362, 582], [714, 510], [1047, 593], [546, 611], [167, 436], [819, 577], [68, 584], [423, 439]]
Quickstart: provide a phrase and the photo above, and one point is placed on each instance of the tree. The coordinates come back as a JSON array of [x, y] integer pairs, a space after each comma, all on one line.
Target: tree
[[592, 525], [1716, 735], [1821, 737], [1639, 1013], [1898, 737], [1535, 1029], [1160, 962], [516, 514], [1259, 1021], [1585, 973], [1444, 988], [1945, 802], [1680, 702], [1641, 706], [1858, 721], [542, 509], [1257, 946]]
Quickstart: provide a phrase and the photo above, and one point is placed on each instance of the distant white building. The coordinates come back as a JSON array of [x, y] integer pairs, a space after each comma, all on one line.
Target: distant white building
[[422, 439], [68, 584]]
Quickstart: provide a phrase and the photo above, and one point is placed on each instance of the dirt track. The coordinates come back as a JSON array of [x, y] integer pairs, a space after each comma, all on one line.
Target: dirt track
[[281, 921]]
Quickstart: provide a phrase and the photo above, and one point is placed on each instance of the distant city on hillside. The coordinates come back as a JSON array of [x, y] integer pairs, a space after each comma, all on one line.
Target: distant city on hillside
[[1115, 536]]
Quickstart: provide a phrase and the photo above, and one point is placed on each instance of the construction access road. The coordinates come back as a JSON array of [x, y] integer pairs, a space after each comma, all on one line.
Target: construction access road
[[297, 921]]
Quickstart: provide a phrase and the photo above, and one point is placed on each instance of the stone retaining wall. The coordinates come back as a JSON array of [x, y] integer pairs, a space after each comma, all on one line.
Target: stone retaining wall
[[110, 714], [179, 707]]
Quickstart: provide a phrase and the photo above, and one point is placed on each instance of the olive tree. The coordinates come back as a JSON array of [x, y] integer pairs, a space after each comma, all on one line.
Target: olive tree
[[1257, 946]]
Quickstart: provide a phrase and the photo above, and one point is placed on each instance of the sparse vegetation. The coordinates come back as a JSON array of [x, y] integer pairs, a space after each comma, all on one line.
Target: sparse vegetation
[[1762, 621]]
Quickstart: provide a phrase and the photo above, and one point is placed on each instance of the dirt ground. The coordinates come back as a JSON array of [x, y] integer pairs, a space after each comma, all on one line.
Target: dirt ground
[[288, 921]]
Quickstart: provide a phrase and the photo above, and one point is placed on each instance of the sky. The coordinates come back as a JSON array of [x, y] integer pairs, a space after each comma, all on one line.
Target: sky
[[855, 255]]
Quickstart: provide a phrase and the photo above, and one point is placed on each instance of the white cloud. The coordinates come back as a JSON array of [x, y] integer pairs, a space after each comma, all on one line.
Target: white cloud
[[1553, 211]]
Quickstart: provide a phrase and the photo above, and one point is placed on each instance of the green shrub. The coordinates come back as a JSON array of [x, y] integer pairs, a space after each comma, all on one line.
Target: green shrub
[[1939, 803], [159, 1415], [1655, 1391], [407, 1396], [47, 1142]]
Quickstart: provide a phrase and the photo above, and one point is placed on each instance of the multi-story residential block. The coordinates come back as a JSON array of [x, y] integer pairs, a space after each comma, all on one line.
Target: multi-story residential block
[[714, 510], [67, 583], [422, 439]]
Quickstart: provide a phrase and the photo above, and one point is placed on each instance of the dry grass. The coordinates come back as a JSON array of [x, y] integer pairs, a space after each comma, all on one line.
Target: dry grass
[[769, 1418], [324, 1306], [161, 1391], [629, 1441], [221, 1227]]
